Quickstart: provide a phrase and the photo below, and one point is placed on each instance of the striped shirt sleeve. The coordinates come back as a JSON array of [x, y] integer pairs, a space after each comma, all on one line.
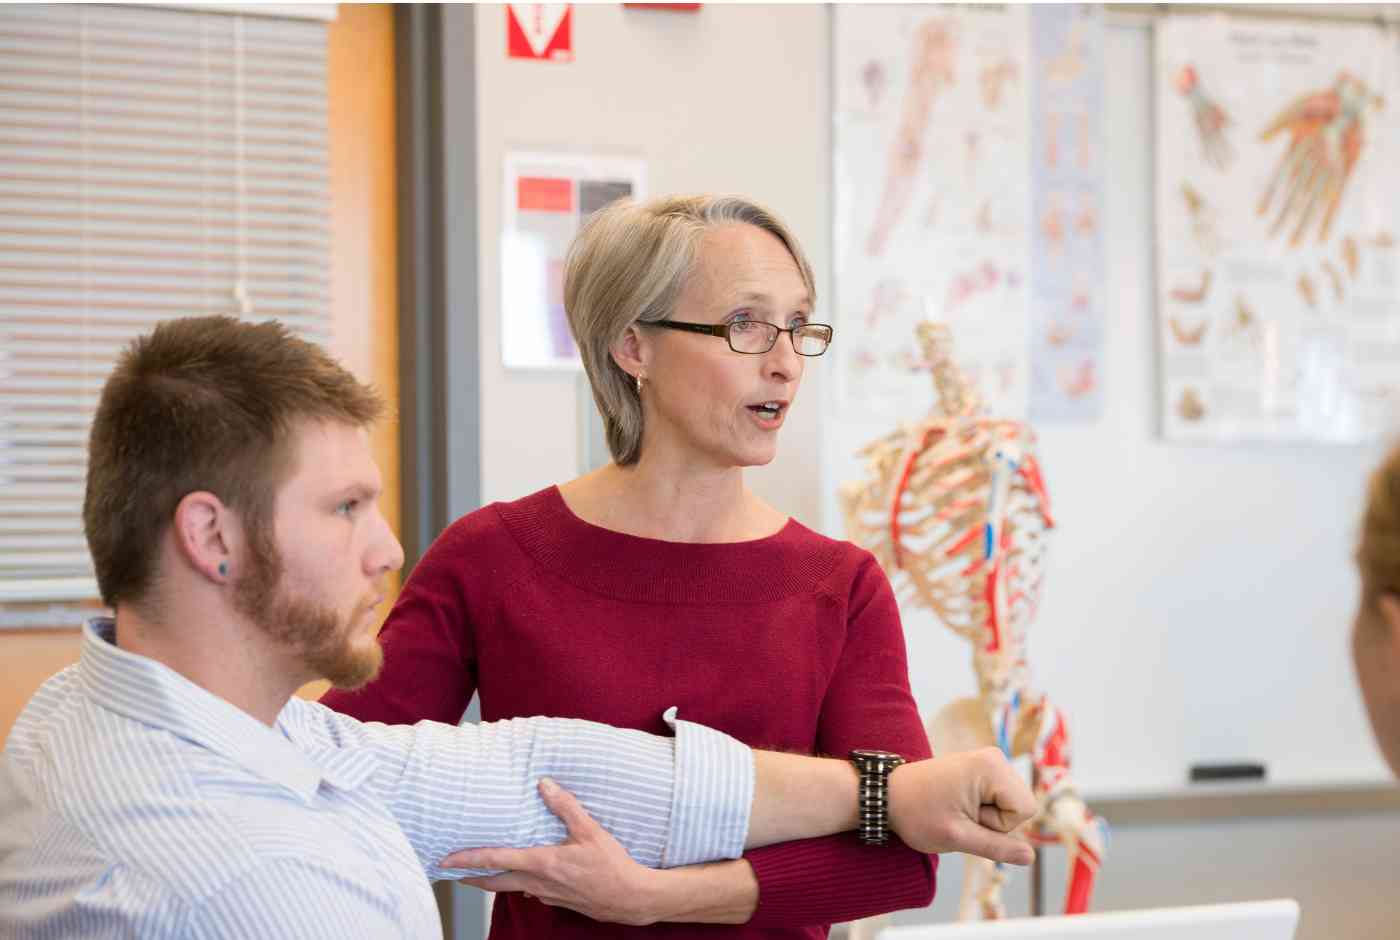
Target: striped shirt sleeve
[[713, 795], [668, 801]]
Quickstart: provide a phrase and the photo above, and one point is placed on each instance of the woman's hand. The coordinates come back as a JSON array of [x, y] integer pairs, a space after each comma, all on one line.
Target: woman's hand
[[589, 872], [967, 802]]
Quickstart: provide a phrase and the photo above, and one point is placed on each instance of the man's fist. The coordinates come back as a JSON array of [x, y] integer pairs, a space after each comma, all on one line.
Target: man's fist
[[969, 802]]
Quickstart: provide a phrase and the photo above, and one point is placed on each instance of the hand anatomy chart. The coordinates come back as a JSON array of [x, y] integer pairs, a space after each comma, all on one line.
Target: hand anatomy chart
[[932, 201], [1278, 309]]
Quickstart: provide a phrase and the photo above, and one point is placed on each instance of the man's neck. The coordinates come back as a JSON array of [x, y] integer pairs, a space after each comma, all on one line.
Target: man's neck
[[218, 652]]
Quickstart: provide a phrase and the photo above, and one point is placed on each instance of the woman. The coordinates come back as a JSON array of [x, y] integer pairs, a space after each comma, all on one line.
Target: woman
[[1375, 639], [661, 579]]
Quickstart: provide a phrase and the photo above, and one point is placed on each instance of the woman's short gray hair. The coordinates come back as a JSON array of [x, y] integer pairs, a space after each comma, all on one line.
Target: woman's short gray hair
[[629, 263]]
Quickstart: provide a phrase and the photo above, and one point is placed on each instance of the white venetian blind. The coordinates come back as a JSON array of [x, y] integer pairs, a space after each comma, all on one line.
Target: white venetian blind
[[154, 163]]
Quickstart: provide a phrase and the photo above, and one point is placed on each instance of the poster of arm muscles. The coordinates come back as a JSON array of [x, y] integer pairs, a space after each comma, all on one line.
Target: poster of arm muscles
[[1278, 310], [932, 198]]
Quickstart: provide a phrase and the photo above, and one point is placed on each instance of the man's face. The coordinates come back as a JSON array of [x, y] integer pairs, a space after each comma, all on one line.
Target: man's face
[[315, 583], [1375, 647]]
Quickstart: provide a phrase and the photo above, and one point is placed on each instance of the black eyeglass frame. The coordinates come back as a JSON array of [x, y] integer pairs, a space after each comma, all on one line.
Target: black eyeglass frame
[[722, 329]]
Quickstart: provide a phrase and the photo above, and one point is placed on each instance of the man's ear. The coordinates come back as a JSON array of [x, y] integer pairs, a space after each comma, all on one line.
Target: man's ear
[[632, 352], [207, 535]]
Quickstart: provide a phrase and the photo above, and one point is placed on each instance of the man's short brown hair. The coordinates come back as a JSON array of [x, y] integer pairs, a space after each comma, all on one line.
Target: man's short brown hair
[[201, 403]]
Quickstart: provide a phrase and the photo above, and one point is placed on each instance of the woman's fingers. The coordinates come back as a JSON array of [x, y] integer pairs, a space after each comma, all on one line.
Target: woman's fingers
[[570, 811], [496, 859], [561, 803], [509, 881]]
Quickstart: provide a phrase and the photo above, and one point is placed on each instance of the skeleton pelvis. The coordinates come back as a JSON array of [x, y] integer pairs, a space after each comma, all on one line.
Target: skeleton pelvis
[[961, 725]]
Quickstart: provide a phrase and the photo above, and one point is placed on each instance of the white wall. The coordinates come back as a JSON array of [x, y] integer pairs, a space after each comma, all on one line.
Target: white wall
[[737, 98]]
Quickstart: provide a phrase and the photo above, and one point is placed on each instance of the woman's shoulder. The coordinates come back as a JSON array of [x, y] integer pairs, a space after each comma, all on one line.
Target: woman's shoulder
[[843, 563], [842, 550], [495, 522]]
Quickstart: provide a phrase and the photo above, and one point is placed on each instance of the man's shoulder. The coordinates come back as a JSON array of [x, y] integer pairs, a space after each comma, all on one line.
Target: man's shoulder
[[91, 791], [48, 705]]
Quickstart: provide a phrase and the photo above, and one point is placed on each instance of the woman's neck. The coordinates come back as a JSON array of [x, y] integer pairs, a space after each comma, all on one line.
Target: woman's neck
[[672, 504]]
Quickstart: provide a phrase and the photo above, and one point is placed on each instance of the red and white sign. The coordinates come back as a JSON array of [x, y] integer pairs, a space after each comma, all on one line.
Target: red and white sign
[[547, 197], [540, 31]]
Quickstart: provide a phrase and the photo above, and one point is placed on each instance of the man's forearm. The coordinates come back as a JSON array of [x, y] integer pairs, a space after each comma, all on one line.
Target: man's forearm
[[799, 797]]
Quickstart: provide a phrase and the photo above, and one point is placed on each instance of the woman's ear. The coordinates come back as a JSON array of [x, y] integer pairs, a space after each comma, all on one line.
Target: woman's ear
[[1389, 606], [631, 351]]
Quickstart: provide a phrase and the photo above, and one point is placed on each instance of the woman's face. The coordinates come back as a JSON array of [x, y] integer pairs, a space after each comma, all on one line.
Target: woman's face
[[703, 403], [1375, 648]]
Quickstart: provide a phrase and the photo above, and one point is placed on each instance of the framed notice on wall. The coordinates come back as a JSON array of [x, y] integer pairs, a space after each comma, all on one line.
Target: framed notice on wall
[[547, 198]]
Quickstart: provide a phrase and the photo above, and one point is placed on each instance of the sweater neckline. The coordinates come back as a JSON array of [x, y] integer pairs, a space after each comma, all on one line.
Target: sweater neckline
[[633, 567], [578, 522]]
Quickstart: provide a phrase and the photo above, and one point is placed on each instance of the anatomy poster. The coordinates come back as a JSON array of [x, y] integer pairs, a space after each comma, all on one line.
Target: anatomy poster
[[1067, 268], [932, 201], [1278, 311], [546, 198]]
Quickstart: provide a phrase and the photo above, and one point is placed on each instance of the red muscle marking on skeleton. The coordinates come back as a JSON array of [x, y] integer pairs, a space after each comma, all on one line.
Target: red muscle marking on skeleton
[[1030, 470], [990, 598]]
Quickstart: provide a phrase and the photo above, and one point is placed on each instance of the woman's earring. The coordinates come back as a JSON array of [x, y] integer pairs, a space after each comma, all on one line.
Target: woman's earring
[[223, 569], [639, 385]]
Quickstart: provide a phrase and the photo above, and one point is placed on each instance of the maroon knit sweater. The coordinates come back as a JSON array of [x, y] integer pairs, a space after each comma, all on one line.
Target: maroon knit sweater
[[790, 643]]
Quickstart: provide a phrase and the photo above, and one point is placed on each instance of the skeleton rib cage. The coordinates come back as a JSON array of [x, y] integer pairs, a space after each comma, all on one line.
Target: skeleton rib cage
[[956, 512]]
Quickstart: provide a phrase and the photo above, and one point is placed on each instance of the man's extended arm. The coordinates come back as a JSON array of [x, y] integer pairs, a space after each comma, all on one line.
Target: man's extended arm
[[700, 796], [668, 801], [961, 802]]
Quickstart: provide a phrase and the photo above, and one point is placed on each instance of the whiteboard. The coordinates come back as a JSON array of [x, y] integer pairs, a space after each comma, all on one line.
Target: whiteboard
[[1198, 597]]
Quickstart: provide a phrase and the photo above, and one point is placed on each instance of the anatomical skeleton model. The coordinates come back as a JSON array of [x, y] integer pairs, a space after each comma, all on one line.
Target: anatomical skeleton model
[[955, 510]]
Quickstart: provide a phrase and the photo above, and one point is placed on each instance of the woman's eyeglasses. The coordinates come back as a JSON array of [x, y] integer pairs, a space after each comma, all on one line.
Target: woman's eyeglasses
[[755, 337]]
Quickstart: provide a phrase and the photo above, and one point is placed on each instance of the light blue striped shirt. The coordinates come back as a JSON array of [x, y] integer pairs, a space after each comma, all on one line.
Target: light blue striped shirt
[[133, 803]]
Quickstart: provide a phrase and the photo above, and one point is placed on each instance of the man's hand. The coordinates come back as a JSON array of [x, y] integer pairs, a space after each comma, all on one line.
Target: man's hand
[[968, 802], [590, 872]]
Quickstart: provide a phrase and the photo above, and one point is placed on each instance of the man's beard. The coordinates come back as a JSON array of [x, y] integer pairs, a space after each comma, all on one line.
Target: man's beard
[[315, 632]]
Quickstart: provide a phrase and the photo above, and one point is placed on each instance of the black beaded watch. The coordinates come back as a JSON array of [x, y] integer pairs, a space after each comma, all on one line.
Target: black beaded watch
[[873, 802]]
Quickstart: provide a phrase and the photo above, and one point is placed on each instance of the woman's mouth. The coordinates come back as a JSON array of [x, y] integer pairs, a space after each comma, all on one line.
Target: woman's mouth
[[769, 413]]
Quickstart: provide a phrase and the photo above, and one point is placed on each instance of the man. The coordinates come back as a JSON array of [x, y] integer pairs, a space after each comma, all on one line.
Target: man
[[170, 784]]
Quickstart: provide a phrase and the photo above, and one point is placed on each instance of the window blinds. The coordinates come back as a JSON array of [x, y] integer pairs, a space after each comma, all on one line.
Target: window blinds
[[154, 163]]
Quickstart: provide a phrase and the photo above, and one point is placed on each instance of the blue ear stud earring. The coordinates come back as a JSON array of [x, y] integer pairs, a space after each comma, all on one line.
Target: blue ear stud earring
[[223, 569]]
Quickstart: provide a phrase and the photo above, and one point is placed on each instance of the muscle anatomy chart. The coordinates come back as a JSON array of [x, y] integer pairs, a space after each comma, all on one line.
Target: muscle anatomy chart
[[932, 200], [1278, 303]]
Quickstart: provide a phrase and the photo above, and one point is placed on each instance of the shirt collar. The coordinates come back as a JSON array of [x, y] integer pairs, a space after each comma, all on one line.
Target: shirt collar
[[156, 695]]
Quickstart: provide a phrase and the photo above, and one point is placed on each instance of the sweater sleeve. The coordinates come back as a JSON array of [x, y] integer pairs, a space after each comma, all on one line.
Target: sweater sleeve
[[868, 704], [429, 657]]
